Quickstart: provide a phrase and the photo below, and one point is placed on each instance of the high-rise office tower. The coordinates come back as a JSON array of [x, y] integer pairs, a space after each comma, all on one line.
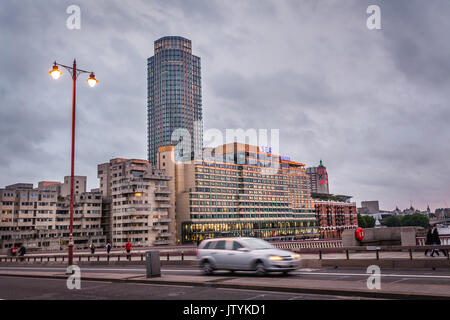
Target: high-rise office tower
[[174, 97]]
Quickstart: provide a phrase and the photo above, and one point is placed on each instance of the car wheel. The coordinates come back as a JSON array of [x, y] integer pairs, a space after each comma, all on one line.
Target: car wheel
[[207, 268], [260, 269]]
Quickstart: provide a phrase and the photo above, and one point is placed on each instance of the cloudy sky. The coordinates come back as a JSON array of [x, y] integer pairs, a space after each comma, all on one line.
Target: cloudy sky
[[372, 104]]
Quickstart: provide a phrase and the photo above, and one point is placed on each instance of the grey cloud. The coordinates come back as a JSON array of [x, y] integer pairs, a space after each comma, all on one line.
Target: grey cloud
[[372, 104]]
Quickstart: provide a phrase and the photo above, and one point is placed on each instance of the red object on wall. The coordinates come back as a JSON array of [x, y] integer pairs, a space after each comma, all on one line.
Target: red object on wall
[[359, 233]]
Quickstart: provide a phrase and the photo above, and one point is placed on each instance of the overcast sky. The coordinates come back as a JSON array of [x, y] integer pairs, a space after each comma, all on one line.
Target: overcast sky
[[372, 104]]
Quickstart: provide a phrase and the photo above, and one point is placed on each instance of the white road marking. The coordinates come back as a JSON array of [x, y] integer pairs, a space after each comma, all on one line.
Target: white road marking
[[382, 274], [400, 280], [256, 297], [339, 274]]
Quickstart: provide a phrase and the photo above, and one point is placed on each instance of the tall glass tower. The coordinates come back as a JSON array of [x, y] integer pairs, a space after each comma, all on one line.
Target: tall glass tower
[[174, 96]]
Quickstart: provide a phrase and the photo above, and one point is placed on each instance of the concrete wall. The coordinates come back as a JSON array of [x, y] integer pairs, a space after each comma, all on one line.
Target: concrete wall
[[405, 236]]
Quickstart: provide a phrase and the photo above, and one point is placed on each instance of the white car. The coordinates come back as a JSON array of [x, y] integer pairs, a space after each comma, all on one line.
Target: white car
[[244, 254]]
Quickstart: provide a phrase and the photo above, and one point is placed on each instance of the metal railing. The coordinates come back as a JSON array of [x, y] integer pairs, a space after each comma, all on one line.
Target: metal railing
[[97, 257], [376, 250], [180, 255]]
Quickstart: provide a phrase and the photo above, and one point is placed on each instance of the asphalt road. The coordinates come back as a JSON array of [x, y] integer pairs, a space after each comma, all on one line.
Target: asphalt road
[[16, 288], [410, 276]]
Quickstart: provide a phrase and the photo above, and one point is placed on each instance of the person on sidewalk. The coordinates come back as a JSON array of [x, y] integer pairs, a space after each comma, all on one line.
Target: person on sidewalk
[[128, 249], [429, 239], [437, 242], [92, 247], [108, 247], [21, 252]]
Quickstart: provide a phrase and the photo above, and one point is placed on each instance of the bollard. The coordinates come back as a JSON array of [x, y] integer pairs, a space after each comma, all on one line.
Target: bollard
[[98, 258], [167, 256], [410, 254], [378, 255], [107, 259], [62, 258], [153, 264], [142, 257], [48, 259], [347, 255], [182, 255], [320, 254]]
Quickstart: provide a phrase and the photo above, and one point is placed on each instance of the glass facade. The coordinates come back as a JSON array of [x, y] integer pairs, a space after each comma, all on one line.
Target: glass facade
[[174, 94], [238, 197]]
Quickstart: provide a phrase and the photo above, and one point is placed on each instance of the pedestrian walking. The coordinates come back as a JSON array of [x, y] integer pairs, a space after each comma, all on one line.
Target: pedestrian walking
[[437, 242], [108, 247], [128, 249], [92, 247], [21, 252], [429, 239]]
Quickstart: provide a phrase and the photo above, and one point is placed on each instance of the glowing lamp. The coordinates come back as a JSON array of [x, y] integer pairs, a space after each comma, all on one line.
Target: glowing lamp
[[92, 81], [55, 72]]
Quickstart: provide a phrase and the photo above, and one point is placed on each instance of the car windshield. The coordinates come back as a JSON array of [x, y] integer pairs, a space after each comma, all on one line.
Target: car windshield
[[258, 244]]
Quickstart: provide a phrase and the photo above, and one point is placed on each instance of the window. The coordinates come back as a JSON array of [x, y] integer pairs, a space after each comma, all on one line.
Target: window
[[220, 245], [237, 245]]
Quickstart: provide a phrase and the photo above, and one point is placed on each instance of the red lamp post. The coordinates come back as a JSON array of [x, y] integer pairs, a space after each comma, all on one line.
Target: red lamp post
[[56, 73]]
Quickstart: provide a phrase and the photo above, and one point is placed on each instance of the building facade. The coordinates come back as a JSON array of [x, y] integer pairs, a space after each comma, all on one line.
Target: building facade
[[334, 215], [138, 205], [174, 95], [39, 218], [241, 191], [318, 179]]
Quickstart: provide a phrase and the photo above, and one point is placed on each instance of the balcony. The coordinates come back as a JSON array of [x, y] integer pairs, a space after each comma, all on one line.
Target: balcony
[[162, 242], [161, 227], [162, 199], [160, 190]]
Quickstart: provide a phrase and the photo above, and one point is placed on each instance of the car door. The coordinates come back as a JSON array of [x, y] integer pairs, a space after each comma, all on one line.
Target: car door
[[219, 254], [238, 259]]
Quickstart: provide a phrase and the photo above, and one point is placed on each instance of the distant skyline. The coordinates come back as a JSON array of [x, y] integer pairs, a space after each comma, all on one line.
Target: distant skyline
[[372, 104]]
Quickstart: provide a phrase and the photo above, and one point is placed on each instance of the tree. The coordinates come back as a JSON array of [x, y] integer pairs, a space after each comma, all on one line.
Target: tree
[[411, 220], [393, 221], [415, 220], [366, 221]]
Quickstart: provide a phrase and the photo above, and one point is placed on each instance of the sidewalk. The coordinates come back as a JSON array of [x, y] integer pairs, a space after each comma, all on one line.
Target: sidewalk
[[288, 284]]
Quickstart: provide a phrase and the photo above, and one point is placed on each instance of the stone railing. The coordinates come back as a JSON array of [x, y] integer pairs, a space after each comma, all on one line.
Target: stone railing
[[445, 240]]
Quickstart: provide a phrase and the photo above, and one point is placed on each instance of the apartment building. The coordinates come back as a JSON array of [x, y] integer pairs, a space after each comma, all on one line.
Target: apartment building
[[137, 203], [240, 191], [39, 217]]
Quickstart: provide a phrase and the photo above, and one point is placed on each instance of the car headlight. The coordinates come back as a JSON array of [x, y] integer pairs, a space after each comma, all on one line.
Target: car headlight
[[295, 256], [275, 258]]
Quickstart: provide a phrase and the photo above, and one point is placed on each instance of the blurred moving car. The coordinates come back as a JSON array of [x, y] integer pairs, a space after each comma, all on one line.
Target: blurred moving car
[[244, 254]]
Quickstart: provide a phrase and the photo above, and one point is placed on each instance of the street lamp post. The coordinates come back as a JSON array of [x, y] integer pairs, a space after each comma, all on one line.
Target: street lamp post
[[56, 73]]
